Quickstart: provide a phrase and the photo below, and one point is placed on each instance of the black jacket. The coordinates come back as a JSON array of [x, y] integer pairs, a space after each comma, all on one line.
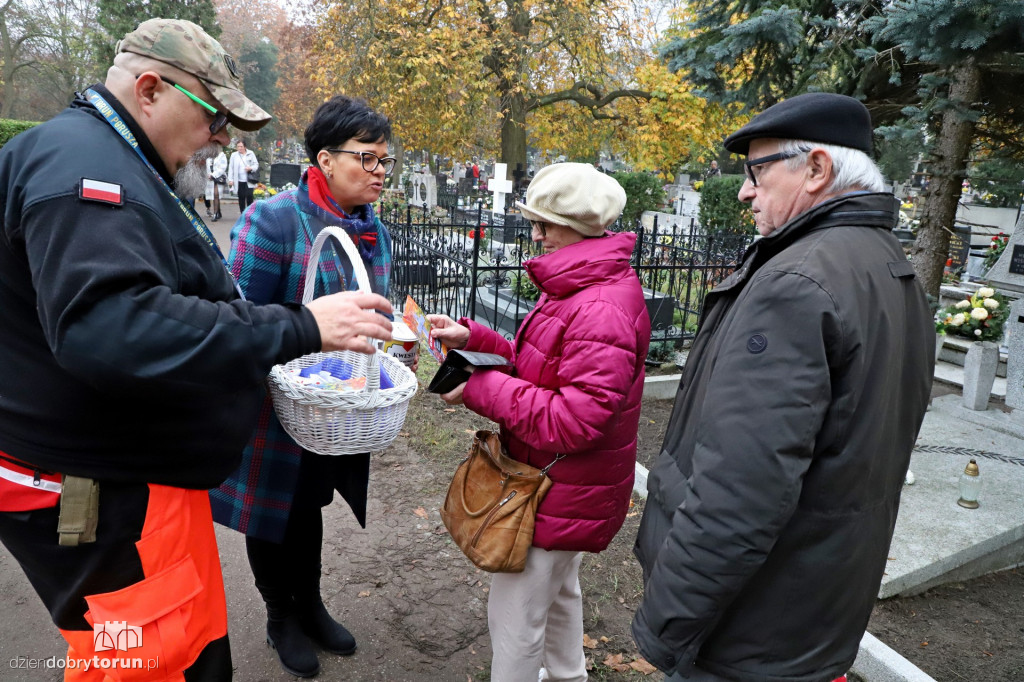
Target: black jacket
[[125, 353], [773, 503]]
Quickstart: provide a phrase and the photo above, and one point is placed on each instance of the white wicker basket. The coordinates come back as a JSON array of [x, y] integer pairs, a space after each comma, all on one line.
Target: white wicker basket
[[335, 422]]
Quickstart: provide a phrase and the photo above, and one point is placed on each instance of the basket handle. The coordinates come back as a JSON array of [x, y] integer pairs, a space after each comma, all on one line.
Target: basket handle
[[362, 279]]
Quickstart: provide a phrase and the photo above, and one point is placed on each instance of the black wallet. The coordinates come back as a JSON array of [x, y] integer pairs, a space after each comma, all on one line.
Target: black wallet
[[452, 371]]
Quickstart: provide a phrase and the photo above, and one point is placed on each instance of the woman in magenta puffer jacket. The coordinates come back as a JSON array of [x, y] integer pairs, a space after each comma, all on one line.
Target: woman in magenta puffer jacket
[[575, 392]]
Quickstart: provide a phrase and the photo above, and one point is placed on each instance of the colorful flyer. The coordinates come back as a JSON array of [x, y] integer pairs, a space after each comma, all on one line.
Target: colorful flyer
[[414, 316]]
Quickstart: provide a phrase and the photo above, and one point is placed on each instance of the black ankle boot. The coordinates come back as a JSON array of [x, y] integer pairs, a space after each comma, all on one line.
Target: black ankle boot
[[285, 636], [324, 630]]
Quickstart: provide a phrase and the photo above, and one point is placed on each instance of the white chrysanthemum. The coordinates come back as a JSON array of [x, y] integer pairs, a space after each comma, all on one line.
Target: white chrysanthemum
[[986, 292], [991, 303], [977, 332], [961, 305], [958, 319], [979, 314]]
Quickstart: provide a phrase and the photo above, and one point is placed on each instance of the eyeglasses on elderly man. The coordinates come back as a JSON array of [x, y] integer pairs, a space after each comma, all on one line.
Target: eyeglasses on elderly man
[[749, 166]]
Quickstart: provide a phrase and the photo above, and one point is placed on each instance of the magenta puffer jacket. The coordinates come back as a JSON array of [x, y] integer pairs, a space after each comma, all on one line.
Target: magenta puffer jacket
[[576, 388]]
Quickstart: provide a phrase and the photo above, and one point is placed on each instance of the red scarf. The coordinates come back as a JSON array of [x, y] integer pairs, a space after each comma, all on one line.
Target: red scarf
[[320, 194]]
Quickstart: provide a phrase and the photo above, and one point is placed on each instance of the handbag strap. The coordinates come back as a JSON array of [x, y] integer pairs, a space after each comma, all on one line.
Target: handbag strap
[[553, 462], [360, 276]]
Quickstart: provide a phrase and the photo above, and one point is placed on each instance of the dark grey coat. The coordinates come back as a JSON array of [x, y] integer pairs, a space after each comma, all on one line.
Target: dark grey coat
[[772, 504]]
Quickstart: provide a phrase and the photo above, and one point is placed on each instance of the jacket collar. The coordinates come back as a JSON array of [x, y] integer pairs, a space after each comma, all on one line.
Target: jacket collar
[[582, 264], [878, 210], [148, 150]]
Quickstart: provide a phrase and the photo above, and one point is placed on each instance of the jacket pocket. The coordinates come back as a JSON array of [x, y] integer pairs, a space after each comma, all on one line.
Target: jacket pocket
[[145, 626]]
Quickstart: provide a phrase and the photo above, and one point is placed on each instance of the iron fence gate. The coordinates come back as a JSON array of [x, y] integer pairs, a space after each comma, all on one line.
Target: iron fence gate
[[466, 262]]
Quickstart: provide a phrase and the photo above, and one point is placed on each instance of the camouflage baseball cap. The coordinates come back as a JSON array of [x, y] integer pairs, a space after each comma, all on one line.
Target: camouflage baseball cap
[[186, 46]]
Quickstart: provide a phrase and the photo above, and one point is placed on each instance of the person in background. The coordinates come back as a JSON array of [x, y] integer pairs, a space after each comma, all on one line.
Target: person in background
[[713, 171], [131, 366], [571, 403], [771, 507], [243, 161], [216, 175], [276, 495]]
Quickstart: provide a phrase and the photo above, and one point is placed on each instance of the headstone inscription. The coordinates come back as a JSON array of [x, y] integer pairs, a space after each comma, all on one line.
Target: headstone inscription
[[1016, 266], [959, 246]]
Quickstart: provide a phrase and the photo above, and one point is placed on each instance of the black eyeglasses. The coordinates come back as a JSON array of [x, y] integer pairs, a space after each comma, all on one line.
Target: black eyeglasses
[[220, 119], [540, 226], [368, 160], [748, 166]]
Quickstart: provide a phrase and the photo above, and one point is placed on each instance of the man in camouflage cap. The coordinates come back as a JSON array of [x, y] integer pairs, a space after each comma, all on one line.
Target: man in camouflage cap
[[185, 46], [131, 367]]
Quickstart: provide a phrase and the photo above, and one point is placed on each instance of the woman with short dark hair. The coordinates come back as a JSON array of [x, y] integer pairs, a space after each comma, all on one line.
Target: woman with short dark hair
[[276, 495]]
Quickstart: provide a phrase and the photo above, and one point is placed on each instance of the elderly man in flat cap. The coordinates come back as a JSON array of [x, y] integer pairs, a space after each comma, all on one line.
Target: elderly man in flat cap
[[131, 366], [772, 504]]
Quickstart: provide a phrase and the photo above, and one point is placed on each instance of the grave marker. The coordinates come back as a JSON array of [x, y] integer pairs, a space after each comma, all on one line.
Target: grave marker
[[1008, 272], [500, 187]]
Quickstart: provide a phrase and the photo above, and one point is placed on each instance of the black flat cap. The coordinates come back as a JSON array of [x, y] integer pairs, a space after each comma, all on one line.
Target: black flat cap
[[817, 117]]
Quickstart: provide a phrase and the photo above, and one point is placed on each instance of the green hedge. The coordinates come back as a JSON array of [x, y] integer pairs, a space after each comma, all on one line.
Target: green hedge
[[9, 128], [720, 210]]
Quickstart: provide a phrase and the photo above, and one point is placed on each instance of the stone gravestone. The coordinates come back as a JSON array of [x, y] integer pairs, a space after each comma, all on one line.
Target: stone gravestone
[[1015, 356], [500, 186], [979, 374], [424, 190], [282, 174], [1008, 272], [959, 247]]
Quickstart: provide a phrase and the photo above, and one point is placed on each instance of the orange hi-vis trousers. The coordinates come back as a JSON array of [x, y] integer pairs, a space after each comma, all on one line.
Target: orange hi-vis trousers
[[145, 602]]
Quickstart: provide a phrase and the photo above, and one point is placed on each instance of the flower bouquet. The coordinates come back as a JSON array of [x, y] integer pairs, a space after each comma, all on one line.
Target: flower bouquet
[[979, 318], [995, 249]]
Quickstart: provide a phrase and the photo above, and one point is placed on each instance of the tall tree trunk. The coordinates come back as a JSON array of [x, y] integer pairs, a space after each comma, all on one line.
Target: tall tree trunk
[[509, 61], [513, 131], [948, 169], [397, 151]]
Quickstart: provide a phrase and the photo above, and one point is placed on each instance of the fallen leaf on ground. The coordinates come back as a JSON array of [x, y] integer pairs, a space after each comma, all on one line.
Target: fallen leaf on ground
[[589, 642], [364, 593], [420, 512], [605, 639], [450, 409], [642, 666], [615, 663], [468, 431], [403, 434]]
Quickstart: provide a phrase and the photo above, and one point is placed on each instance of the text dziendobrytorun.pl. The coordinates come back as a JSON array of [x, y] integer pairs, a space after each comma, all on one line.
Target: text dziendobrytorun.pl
[[94, 663]]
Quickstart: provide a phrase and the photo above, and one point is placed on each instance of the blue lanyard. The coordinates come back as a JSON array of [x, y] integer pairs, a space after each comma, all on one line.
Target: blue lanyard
[[117, 124]]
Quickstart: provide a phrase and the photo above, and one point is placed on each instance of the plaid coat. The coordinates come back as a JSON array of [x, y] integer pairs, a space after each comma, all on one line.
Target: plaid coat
[[270, 247]]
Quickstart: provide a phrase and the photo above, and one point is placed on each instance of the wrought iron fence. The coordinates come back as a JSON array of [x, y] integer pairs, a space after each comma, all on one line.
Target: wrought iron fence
[[466, 262]]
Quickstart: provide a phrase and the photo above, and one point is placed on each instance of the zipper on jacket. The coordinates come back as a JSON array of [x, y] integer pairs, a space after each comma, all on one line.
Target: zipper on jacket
[[490, 515]]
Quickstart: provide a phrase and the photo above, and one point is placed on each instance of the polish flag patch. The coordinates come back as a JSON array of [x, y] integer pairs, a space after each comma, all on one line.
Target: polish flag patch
[[104, 192]]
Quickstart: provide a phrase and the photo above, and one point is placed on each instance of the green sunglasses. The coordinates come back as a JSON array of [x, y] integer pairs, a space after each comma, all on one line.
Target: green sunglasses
[[220, 119]]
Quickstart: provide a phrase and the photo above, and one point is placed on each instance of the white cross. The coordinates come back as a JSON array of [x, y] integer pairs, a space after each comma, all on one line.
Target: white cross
[[500, 186]]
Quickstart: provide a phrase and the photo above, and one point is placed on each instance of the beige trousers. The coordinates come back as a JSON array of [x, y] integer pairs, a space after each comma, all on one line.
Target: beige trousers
[[536, 620]]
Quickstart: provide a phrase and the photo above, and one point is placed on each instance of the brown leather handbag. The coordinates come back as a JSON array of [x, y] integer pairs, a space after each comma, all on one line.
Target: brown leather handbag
[[492, 504]]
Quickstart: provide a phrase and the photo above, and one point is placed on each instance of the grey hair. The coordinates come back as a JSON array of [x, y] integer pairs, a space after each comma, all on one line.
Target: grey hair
[[852, 169]]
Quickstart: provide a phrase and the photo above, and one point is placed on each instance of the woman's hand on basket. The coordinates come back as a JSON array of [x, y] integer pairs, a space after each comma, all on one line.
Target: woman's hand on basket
[[448, 331], [347, 318]]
